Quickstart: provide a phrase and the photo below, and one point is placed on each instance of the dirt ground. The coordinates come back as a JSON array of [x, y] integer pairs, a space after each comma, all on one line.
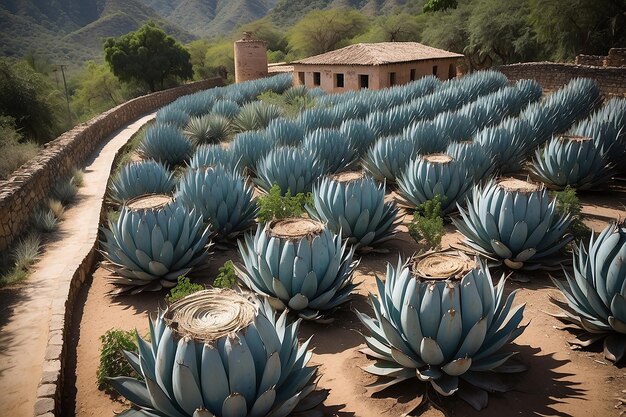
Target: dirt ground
[[560, 381]]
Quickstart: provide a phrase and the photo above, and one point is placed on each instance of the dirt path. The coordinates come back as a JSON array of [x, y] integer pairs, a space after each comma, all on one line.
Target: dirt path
[[26, 310], [560, 382]]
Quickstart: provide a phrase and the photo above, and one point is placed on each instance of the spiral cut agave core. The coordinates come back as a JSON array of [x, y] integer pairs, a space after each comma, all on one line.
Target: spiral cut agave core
[[219, 353], [445, 323], [572, 160], [299, 264], [515, 222], [153, 242], [431, 175], [221, 196], [596, 292], [355, 206]]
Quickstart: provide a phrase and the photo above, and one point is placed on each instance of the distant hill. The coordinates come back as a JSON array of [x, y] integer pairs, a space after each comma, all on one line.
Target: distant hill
[[72, 31]]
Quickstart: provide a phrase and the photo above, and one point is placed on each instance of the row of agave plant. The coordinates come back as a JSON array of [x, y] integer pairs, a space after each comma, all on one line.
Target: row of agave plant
[[447, 329]]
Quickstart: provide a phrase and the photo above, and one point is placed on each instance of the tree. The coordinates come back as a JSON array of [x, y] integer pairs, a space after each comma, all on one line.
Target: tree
[[570, 27], [97, 90], [439, 5], [321, 31], [507, 37], [30, 100], [147, 55]]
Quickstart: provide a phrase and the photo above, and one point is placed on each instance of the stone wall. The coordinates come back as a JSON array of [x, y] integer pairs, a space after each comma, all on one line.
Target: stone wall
[[593, 60], [552, 76], [615, 58], [32, 182]]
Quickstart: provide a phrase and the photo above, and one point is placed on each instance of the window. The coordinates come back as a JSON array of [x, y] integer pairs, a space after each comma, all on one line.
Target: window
[[412, 76], [392, 78], [301, 77], [339, 80], [316, 78], [435, 70], [364, 81]]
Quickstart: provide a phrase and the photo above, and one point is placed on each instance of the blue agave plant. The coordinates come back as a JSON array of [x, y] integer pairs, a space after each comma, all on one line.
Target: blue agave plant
[[596, 292], [139, 178], [332, 148], [514, 222], [249, 148], [211, 155], [388, 157], [444, 327], [355, 206], [293, 169], [221, 196], [166, 144]]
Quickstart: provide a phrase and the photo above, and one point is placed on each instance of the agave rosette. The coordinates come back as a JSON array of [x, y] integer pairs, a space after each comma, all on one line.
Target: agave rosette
[[332, 147], [571, 160], [249, 148], [478, 162], [149, 248], [388, 157], [299, 264], [355, 206], [212, 155], [443, 322], [243, 362], [139, 178], [596, 292], [359, 134], [431, 175], [221, 196], [166, 144], [293, 169], [515, 222]]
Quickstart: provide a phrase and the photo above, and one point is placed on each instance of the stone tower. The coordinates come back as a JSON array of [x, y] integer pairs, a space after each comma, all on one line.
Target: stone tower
[[250, 58]]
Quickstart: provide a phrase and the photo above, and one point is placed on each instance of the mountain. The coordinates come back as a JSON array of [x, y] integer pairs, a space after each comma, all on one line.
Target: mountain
[[72, 31]]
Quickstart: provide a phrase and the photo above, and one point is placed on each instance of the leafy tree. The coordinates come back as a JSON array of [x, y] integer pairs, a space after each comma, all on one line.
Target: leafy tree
[[321, 31], [220, 60], [30, 100], [570, 27], [499, 29], [439, 5], [98, 90], [265, 30], [197, 52], [148, 55]]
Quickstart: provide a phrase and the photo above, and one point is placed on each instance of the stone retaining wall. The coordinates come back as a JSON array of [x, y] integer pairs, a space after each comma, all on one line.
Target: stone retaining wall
[[32, 182], [552, 76]]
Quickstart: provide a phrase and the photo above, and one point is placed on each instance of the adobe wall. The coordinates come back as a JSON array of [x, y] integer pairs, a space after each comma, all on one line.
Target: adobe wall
[[552, 76], [32, 182]]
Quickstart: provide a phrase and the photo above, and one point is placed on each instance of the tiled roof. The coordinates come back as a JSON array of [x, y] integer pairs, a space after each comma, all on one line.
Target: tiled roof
[[378, 54]]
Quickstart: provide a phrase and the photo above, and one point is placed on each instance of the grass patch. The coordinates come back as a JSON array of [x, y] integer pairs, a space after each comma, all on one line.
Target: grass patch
[[65, 191], [44, 220], [56, 207], [15, 264]]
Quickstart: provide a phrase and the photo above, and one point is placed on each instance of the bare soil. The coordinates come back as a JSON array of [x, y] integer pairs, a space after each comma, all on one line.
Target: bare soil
[[559, 382]]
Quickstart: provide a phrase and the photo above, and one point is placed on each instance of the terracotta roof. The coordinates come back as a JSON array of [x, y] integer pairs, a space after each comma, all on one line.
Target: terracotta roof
[[378, 54]]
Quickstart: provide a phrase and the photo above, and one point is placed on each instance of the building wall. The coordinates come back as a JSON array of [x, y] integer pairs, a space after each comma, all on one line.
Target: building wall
[[250, 60], [378, 75], [31, 183], [552, 76]]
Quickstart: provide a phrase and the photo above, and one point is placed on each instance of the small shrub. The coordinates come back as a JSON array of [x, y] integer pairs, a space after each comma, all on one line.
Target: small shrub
[[427, 223], [567, 202], [272, 206], [44, 220], [78, 177], [226, 277], [183, 288], [65, 191], [113, 216], [26, 251], [112, 360], [56, 207]]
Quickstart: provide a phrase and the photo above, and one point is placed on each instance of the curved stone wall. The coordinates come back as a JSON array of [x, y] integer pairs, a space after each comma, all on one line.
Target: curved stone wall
[[32, 182]]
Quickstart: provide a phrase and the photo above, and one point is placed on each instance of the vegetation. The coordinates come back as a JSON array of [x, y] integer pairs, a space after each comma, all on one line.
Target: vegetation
[[273, 206], [112, 361], [427, 223], [149, 56], [14, 264], [183, 288], [226, 277], [13, 144], [568, 203]]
